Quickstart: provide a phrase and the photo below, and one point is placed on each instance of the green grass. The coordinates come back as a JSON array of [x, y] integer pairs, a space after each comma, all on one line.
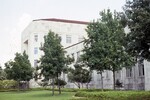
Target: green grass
[[35, 95]]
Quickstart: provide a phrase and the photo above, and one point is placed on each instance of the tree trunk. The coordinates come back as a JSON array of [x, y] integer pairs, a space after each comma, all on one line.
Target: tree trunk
[[102, 86], [58, 85], [28, 85], [114, 83], [52, 86], [79, 85], [87, 86], [18, 85]]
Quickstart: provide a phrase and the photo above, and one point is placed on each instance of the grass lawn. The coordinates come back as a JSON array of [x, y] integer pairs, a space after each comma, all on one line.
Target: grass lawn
[[35, 95]]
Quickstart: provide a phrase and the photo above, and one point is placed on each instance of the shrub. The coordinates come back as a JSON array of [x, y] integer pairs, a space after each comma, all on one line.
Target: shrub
[[6, 84], [115, 95], [61, 82]]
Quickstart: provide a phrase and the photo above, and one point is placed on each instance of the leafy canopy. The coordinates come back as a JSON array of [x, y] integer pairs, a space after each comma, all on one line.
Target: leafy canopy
[[137, 17], [19, 69], [104, 49], [105, 46], [53, 60]]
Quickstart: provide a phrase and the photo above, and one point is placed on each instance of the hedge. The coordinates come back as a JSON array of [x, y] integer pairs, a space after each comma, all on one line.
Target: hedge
[[71, 89], [6, 84], [114, 95]]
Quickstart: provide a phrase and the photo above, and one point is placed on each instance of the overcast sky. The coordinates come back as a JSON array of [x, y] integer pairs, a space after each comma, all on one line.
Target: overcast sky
[[15, 15]]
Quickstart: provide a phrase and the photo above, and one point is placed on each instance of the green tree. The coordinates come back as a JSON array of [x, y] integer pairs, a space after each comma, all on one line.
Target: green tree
[[8, 66], [79, 75], [53, 62], [137, 18], [20, 69], [61, 82], [2, 74], [104, 48]]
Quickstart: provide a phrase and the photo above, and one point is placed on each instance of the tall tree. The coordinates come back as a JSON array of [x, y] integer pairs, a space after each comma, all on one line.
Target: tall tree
[[137, 18], [20, 69], [104, 48], [52, 62]]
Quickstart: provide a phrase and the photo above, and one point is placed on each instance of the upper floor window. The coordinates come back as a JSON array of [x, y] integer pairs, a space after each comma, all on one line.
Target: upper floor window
[[36, 38], [60, 37], [68, 39], [36, 50]]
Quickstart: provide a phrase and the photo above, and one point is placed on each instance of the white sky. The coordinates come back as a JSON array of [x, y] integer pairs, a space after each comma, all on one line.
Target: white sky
[[15, 15]]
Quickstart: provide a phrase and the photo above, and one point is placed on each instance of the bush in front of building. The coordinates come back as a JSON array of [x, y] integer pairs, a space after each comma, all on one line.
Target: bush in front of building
[[113, 95], [7, 84], [70, 89]]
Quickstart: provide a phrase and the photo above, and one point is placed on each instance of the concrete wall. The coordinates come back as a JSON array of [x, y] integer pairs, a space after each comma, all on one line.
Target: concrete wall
[[147, 75]]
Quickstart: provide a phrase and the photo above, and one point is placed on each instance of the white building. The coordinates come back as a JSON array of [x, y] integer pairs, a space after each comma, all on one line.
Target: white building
[[136, 78], [72, 33]]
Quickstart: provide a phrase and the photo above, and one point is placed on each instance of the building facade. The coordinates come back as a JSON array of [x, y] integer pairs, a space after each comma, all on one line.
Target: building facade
[[136, 77], [72, 34], [70, 31]]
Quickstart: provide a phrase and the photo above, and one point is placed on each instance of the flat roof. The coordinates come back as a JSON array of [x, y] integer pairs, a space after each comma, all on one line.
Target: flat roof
[[63, 20]]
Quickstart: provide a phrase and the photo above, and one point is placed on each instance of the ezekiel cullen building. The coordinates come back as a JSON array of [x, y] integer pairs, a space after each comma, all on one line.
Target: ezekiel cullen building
[[72, 34], [70, 31]]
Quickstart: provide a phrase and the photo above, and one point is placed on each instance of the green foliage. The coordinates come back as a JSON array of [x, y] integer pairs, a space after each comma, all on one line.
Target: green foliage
[[56, 89], [19, 69], [6, 84], [43, 83], [68, 60], [114, 95], [79, 75], [105, 47], [137, 17], [2, 74], [62, 83], [53, 62]]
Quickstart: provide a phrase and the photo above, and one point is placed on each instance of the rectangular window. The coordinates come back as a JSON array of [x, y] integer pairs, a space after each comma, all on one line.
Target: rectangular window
[[60, 37], [107, 74], [141, 68], [68, 39], [35, 63], [36, 38], [36, 50], [128, 72], [98, 77]]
